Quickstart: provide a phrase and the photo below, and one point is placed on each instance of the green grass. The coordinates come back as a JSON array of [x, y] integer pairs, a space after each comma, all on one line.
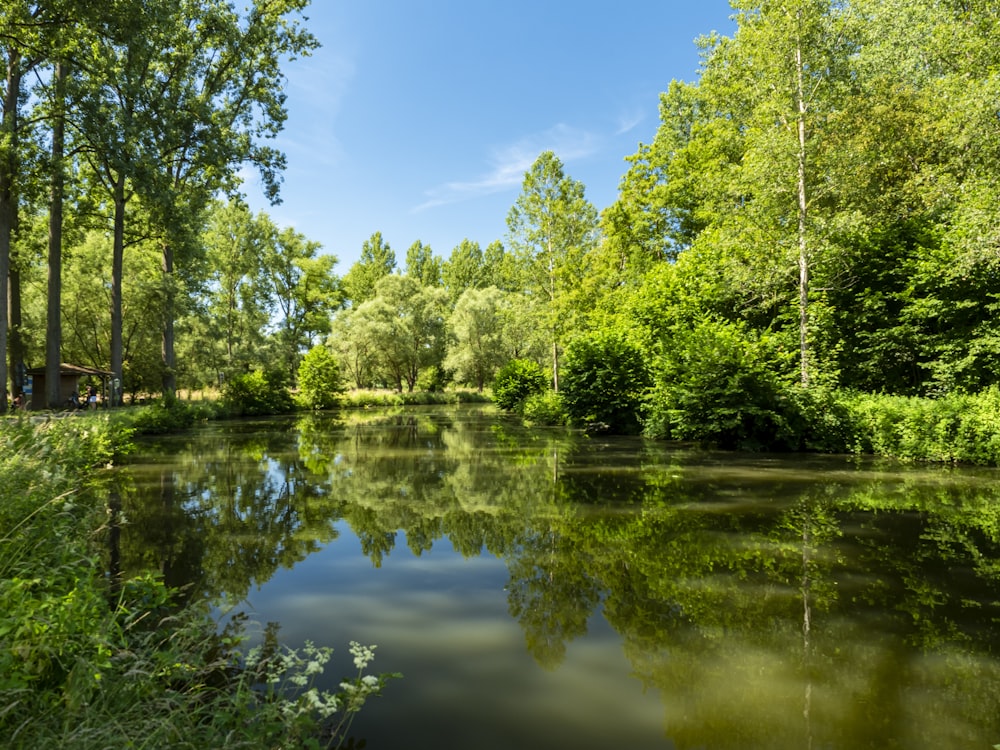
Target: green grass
[[90, 662]]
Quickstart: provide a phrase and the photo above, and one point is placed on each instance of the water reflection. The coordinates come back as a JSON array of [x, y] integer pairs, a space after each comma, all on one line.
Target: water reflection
[[769, 602]]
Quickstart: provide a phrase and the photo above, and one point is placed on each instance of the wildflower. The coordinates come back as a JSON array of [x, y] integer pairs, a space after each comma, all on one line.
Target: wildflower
[[314, 667], [363, 655]]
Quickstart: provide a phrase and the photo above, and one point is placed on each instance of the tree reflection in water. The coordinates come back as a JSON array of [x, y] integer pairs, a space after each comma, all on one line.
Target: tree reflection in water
[[772, 602]]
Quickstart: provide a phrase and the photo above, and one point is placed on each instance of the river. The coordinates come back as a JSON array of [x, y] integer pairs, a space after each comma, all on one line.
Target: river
[[541, 588]]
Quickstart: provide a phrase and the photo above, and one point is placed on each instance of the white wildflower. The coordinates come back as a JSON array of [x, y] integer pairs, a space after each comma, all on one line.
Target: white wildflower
[[314, 667], [363, 655]]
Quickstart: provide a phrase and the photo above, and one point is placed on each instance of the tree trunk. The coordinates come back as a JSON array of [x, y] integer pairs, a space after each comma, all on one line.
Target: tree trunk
[[169, 360], [117, 261], [53, 328], [803, 248], [8, 207], [15, 334]]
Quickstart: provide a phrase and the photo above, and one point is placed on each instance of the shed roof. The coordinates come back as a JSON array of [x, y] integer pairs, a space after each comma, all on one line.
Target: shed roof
[[65, 369]]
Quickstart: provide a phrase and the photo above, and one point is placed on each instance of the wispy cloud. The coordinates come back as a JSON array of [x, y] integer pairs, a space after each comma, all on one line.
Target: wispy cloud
[[629, 121], [316, 89], [509, 163]]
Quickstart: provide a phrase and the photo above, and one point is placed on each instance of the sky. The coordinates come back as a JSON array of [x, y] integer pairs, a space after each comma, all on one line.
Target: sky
[[419, 119]]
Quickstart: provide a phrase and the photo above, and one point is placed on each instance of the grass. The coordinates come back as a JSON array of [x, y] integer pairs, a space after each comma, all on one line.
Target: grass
[[87, 661]]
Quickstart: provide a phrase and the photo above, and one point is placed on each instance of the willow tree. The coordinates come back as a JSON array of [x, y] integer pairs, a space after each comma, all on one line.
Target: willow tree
[[552, 228]]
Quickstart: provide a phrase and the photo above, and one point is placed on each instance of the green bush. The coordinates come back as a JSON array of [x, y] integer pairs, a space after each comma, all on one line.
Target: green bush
[[320, 385], [162, 417], [544, 408], [256, 393], [718, 384], [432, 379], [604, 381], [517, 380]]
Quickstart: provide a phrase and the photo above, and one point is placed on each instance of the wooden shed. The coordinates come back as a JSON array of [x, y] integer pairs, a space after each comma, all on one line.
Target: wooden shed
[[69, 382]]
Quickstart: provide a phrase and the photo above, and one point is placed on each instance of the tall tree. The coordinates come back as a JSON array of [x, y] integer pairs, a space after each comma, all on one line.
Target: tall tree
[[173, 100], [464, 269], [477, 347], [377, 260], [306, 293], [408, 324], [22, 31], [423, 265], [236, 304], [552, 228]]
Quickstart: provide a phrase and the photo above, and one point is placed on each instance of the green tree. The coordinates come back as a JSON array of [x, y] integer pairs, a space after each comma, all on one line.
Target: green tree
[[377, 260], [477, 346], [553, 228], [169, 108], [423, 265], [227, 331], [305, 290], [407, 326], [354, 342], [319, 378], [464, 269]]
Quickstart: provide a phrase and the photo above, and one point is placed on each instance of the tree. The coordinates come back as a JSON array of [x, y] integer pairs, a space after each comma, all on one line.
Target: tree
[[234, 309], [306, 292], [463, 270], [423, 265], [407, 327], [552, 228], [477, 346], [172, 99], [377, 260], [353, 341], [319, 378]]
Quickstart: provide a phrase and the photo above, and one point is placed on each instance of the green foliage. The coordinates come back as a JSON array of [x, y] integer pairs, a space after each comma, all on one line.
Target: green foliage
[[516, 381], [717, 384], [256, 393], [545, 408], [85, 664], [432, 379], [604, 380], [320, 385], [160, 417], [956, 428]]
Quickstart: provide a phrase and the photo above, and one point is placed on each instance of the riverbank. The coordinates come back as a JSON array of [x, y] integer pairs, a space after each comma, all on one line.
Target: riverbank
[[89, 660]]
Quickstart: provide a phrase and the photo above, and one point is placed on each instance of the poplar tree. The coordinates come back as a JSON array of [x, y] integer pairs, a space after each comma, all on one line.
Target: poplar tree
[[552, 229]]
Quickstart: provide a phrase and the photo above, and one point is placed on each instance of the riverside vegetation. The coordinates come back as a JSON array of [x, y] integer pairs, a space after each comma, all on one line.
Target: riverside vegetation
[[91, 660]]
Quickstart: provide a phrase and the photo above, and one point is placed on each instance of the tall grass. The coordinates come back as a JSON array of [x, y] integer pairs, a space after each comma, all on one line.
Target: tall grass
[[87, 662]]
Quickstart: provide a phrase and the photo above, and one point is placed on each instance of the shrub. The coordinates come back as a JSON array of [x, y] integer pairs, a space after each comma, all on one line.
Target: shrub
[[604, 380], [432, 379], [517, 380], [717, 384], [544, 408], [257, 392], [320, 384]]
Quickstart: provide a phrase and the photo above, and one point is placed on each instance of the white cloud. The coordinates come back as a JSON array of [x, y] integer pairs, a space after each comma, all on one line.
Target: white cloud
[[316, 92], [509, 163], [629, 121]]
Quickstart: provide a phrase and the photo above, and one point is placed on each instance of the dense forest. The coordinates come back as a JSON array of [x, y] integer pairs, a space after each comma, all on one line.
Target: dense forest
[[816, 213]]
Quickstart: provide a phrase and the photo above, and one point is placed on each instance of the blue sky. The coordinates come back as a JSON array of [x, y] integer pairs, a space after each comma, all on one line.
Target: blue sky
[[419, 119]]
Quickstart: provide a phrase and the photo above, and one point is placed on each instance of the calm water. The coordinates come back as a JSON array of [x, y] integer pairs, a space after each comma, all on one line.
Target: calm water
[[548, 590]]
